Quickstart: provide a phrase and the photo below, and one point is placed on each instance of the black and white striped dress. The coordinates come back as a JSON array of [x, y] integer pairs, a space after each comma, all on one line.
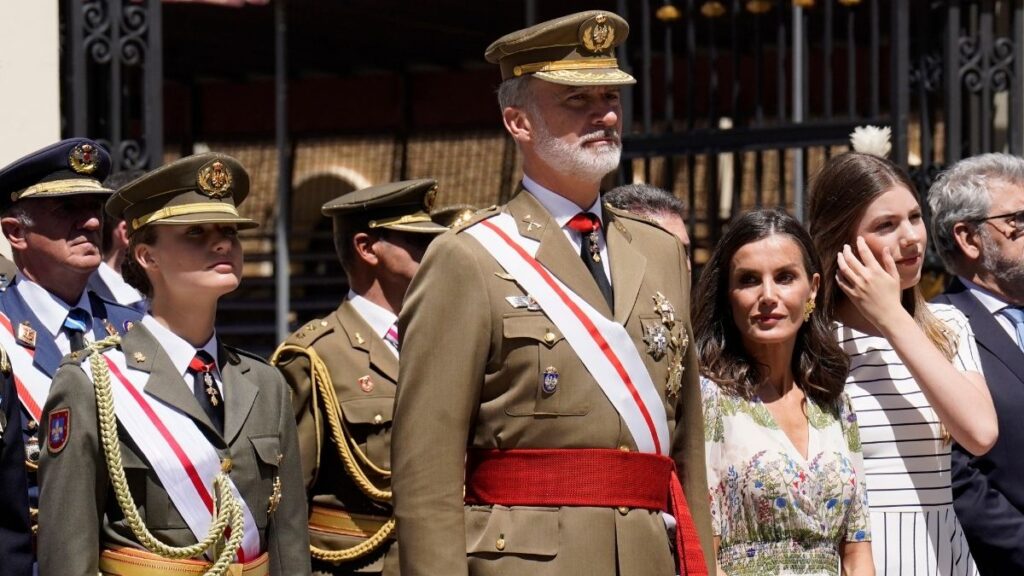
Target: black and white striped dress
[[915, 531]]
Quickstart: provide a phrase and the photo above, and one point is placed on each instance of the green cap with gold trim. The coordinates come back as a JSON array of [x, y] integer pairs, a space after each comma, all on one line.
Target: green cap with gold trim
[[198, 189], [575, 50], [403, 206]]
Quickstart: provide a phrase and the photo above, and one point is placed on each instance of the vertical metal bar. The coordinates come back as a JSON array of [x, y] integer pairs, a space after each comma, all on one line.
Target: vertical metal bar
[[79, 86], [924, 33], [711, 180], [851, 63], [114, 109], [282, 264], [951, 78], [691, 96], [668, 182], [899, 39], [153, 79], [645, 76], [1016, 87], [531, 12], [798, 108], [737, 87], [780, 104], [758, 75], [874, 59], [985, 33], [826, 68], [626, 95]]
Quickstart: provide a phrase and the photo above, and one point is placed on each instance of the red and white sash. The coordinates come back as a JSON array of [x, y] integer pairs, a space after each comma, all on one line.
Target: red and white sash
[[32, 383], [603, 345], [179, 453]]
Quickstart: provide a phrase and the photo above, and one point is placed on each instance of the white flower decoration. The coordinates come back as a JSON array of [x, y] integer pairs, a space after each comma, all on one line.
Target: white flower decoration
[[872, 140]]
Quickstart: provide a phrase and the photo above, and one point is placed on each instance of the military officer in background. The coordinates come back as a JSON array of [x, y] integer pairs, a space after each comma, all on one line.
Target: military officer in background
[[106, 281], [548, 402], [52, 211], [342, 370]]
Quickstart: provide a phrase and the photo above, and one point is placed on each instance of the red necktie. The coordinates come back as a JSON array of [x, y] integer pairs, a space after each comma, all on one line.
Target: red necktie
[[587, 225]]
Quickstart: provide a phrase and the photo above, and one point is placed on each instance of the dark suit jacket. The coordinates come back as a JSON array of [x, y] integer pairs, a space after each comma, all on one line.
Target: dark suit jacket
[[15, 531], [987, 490]]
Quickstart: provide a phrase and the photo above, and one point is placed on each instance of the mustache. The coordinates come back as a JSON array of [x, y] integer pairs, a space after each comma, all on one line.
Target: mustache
[[603, 134]]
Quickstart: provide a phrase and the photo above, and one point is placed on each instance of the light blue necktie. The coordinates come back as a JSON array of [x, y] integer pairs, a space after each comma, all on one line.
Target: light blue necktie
[[1016, 315], [76, 324]]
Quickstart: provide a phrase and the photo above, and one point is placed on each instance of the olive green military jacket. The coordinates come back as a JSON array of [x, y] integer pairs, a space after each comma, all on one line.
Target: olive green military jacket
[[80, 516], [470, 378], [363, 372]]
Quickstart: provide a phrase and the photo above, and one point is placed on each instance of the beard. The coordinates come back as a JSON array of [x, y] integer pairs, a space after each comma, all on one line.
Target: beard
[[1008, 272], [579, 160]]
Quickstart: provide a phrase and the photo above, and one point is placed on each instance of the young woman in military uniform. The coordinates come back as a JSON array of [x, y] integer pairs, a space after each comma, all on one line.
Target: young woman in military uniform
[[167, 452]]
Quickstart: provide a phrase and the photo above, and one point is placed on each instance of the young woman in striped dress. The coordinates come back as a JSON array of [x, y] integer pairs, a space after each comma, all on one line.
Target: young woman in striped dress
[[915, 379]]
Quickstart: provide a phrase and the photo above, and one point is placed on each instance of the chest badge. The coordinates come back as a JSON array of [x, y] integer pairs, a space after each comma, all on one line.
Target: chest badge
[[656, 337], [26, 335], [366, 384], [549, 380], [523, 302]]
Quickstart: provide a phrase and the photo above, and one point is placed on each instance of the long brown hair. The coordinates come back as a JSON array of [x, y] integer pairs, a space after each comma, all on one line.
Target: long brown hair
[[839, 195], [819, 365]]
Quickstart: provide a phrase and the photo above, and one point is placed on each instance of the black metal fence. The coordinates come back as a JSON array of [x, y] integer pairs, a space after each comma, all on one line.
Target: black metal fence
[[738, 101]]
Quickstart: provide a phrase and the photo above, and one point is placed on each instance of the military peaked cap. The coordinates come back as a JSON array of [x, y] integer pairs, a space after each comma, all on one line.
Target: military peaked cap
[[404, 206], [69, 167]]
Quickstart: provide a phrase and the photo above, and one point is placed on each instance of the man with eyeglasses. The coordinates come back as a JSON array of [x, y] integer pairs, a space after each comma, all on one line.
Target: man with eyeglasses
[[978, 229]]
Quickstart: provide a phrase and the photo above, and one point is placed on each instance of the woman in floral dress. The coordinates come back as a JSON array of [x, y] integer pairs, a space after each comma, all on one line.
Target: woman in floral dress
[[783, 449]]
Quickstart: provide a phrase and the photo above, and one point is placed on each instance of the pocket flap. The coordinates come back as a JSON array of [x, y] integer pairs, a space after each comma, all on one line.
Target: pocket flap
[[368, 410], [521, 530], [268, 449], [535, 327]]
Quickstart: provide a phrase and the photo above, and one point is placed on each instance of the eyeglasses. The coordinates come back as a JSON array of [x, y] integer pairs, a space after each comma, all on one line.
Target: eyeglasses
[[1017, 219]]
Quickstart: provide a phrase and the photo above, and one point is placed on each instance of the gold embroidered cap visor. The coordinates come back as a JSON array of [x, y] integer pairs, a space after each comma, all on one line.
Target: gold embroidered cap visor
[[199, 189], [574, 50], [403, 206]]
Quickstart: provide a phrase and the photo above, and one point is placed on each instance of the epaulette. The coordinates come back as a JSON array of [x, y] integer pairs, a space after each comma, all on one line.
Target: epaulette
[[482, 214], [310, 332]]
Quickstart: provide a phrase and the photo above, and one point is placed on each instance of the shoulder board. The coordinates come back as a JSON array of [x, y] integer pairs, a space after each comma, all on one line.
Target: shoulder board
[[480, 215], [310, 332], [629, 215]]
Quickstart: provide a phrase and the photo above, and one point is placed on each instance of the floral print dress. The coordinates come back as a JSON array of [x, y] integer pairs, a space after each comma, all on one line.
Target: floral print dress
[[775, 511]]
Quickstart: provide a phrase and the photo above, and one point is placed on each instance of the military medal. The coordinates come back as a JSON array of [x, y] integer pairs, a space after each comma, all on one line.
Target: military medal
[[523, 302], [656, 337], [664, 309], [211, 390], [595, 250], [26, 335], [549, 381], [275, 496], [675, 376]]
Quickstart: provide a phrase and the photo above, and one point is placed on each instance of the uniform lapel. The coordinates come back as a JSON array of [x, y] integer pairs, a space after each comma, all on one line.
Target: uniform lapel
[[165, 383], [362, 337], [627, 264], [987, 330], [46, 356], [239, 393], [556, 252]]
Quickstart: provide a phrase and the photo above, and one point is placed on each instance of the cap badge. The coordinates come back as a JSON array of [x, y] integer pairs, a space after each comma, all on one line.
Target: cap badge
[[599, 36], [428, 200], [84, 159], [215, 179]]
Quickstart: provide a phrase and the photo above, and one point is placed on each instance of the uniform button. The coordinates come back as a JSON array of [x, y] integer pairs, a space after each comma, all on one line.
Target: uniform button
[[500, 543], [623, 510], [378, 419], [549, 337], [225, 465], [624, 448]]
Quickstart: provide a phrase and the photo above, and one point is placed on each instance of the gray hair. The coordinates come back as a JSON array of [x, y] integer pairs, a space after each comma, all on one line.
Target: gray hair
[[961, 194], [515, 93], [20, 212], [645, 200]]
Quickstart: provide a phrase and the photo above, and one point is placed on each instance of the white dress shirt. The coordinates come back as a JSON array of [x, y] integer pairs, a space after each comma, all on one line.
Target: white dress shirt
[[182, 353], [379, 318], [52, 311], [995, 305]]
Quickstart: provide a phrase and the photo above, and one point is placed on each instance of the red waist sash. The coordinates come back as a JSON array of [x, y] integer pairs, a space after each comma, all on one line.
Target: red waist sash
[[586, 477]]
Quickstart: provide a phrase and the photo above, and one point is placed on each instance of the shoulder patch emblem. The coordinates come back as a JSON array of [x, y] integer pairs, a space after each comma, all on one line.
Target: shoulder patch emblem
[[60, 429]]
